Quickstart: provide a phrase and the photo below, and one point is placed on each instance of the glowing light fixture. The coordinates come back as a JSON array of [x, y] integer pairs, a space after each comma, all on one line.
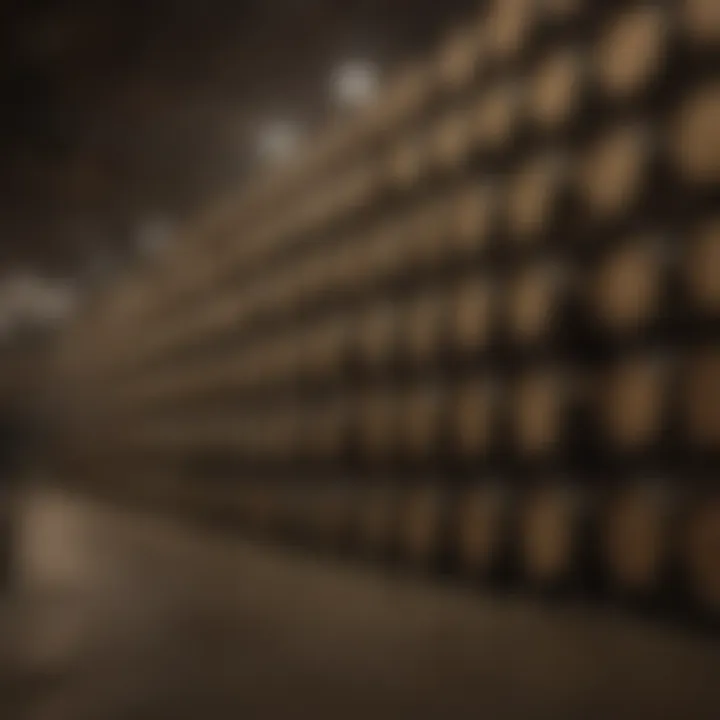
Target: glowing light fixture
[[354, 83], [278, 140]]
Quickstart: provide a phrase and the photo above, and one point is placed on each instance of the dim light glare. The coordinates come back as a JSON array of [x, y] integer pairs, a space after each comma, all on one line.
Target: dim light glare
[[278, 140], [355, 83], [154, 235], [30, 299]]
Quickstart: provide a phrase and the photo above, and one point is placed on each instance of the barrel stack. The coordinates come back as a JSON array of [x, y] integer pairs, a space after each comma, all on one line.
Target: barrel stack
[[476, 325]]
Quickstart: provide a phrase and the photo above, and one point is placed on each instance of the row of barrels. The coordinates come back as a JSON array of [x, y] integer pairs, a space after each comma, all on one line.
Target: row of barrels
[[642, 159], [651, 543], [649, 408], [476, 327], [641, 295], [542, 210]]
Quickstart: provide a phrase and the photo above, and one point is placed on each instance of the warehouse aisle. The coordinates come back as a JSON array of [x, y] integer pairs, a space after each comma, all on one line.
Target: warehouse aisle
[[126, 617]]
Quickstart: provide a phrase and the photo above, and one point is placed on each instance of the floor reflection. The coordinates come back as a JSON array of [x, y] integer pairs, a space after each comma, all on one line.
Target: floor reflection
[[123, 616]]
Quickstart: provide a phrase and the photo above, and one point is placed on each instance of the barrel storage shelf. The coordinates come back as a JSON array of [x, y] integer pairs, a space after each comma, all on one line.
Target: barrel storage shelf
[[476, 326]]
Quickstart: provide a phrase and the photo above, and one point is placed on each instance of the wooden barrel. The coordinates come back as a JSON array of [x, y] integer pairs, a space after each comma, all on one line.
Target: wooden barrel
[[636, 539], [332, 519], [614, 172], [633, 402], [406, 95], [421, 422], [325, 349], [278, 362], [556, 89], [474, 218], [283, 433], [471, 320], [497, 117], [560, 11], [701, 553], [376, 340], [327, 423], [427, 234], [536, 299], [700, 22], [473, 417], [701, 399], [346, 271], [632, 50], [423, 325], [551, 527], [693, 135], [541, 401], [481, 528], [453, 138], [421, 526], [510, 24], [356, 193], [385, 253], [536, 197], [378, 417], [410, 162], [377, 519], [701, 268], [461, 58], [628, 288]]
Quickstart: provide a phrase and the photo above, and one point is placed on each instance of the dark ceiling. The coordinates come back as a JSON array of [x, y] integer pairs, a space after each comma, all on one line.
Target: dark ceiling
[[119, 110]]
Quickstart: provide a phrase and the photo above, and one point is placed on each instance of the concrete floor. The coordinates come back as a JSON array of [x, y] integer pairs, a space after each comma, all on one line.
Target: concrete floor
[[120, 616]]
